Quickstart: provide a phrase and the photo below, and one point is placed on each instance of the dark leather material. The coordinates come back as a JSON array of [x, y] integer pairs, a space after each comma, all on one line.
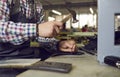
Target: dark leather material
[[111, 60]]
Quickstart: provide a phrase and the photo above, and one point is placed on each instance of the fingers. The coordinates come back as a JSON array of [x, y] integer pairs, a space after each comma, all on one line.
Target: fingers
[[73, 49], [58, 24], [56, 31], [57, 27], [68, 46], [49, 29], [66, 50]]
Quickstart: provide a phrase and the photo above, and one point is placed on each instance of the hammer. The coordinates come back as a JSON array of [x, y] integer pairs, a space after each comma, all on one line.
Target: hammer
[[66, 18], [72, 14]]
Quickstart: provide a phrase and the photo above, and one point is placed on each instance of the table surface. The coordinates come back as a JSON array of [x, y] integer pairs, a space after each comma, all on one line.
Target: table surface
[[83, 66]]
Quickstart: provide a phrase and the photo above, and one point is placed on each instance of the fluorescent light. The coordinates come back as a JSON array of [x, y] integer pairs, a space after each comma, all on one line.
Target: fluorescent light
[[91, 10], [56, 12], [118, 16]]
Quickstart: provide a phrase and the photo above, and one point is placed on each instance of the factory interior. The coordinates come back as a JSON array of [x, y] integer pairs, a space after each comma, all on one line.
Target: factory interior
[[93, 25]]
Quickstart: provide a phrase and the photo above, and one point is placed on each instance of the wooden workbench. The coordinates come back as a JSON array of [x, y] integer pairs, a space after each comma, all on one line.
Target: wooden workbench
[[83, 66]]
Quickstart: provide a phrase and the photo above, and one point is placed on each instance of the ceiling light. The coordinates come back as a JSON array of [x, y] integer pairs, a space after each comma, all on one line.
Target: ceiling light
[[91, 10], [56, 12]]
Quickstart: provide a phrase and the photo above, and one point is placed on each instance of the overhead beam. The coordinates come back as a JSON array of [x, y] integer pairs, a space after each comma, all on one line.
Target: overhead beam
[[47, 2], [71, 5]]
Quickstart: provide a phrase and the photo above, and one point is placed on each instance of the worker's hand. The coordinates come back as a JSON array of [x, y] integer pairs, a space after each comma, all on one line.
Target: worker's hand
[[49, 29], [68, 46]]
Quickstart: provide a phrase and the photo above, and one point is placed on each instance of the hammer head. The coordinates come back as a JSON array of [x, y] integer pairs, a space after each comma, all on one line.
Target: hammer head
[[73, 13]]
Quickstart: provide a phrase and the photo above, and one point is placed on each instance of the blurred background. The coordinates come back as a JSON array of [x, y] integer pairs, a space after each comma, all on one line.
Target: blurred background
[[86, 12]]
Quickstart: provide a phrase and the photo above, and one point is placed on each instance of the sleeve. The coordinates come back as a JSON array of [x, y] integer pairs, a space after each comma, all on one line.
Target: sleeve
[[16, 33]]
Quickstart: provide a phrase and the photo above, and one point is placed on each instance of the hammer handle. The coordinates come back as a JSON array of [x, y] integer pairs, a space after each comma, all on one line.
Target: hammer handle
[[66, 18]]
